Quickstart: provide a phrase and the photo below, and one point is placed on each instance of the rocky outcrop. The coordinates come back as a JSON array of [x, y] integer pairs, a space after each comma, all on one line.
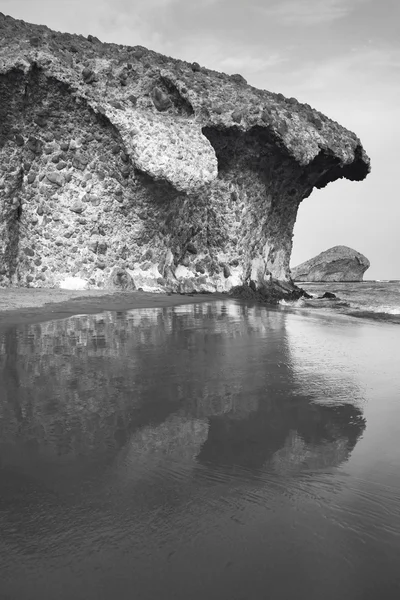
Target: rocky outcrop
[[116, 159], [339, 263]]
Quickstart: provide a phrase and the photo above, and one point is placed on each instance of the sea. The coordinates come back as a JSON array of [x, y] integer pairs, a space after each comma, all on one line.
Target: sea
[[371, 299], [219, 450]]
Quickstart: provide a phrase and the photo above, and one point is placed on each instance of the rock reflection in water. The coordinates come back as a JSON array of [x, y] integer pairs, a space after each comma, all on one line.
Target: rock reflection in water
[[83, 386], [124, 436], [277, 419]]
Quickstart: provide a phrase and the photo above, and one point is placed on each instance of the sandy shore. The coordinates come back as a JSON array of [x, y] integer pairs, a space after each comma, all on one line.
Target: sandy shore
[[22, 305]]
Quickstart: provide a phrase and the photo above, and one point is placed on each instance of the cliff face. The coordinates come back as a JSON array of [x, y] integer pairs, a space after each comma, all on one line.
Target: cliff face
[[339, 263], [122, 167]]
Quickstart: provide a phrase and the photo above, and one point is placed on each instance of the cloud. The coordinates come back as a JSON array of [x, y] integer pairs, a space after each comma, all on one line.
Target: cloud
[[309, 12], [250, 62], [365, 75], [156, 24], [228, 55]]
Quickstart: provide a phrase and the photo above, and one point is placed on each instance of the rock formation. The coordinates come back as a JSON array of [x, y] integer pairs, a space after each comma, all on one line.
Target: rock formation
[[120, 166], [339, 263]]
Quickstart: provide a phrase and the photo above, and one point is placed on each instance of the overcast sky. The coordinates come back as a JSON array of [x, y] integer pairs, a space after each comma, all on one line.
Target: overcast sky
[[340, 56]]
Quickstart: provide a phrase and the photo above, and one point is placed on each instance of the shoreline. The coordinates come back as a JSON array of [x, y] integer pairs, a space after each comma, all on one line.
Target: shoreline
[[19, 306]]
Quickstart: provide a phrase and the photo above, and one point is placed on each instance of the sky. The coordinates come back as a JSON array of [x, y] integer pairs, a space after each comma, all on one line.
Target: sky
[[340, 56]]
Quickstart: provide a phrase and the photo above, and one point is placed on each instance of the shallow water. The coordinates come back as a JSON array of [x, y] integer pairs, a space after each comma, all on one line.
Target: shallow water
[[207, 451], [376, 300]]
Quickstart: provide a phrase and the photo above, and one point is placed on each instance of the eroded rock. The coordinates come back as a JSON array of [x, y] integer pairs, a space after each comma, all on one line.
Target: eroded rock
[[206, 187], [339, 263], [161, 101], [120, 279]]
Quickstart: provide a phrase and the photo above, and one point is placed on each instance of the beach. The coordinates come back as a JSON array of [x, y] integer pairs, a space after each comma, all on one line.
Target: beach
[[206, 448], [28, 305], [189, 444]]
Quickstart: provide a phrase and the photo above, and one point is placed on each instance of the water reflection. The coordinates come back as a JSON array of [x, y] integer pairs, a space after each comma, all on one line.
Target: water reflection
[[226, 373], [126, 437]]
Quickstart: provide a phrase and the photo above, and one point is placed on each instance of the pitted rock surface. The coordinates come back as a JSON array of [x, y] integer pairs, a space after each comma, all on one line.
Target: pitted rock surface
[[339, 263], [123, 167]]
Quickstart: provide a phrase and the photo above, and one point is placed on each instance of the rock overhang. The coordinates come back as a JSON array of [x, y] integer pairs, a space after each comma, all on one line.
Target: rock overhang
[[234, 160], [160, 143]]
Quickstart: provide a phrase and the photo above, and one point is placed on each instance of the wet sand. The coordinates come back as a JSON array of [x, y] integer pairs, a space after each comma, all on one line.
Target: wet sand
[[213, 450], [33, 305]]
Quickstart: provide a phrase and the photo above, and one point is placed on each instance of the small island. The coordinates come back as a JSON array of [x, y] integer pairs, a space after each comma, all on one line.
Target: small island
[[339, 263]]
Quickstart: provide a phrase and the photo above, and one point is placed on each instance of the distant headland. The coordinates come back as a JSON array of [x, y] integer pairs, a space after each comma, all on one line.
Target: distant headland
[[339, 263]]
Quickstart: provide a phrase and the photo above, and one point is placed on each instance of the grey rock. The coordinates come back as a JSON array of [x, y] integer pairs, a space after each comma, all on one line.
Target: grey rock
[[80, 161], [339, 263], [88, 75], [160, 100], [78, 207], [237, 78], [55, 178], [119, 279], [227, 271], [205, 158], [102, 248]]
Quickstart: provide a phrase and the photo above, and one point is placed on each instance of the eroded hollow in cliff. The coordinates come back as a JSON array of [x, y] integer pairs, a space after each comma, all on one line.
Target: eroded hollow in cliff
[[333, 170], [181, 105], [86, 208], [273, 184]]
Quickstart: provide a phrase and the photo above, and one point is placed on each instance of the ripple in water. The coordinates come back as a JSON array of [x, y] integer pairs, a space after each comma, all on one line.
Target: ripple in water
[[213, 450]]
